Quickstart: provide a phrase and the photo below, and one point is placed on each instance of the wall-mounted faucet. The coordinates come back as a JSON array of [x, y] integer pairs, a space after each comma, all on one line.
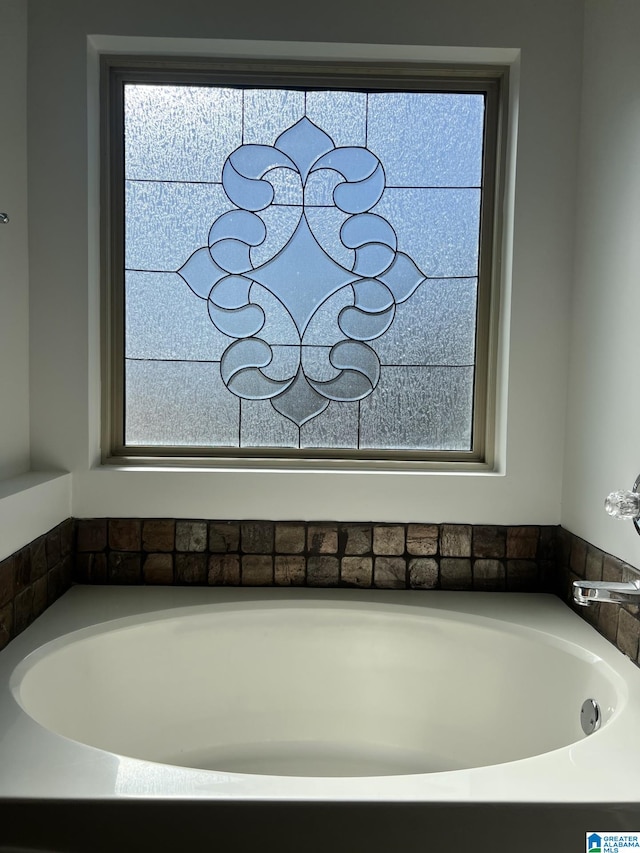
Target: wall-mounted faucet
[[593, 592], [624, 505]]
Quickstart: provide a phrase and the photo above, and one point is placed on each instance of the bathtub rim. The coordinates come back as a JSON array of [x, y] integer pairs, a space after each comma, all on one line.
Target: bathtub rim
[[413, 608], [34, 756]]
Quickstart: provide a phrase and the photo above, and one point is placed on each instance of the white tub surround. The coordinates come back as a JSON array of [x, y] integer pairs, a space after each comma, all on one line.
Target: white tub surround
[[364, 695]]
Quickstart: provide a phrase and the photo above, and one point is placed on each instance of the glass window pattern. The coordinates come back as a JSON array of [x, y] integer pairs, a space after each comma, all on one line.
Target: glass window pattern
[[301, 267]]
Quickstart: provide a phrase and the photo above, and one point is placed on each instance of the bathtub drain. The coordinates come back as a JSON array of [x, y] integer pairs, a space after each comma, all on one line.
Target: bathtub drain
[[590, 716]]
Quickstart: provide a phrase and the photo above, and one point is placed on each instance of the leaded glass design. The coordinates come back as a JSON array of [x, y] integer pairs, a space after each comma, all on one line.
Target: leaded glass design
[[301, 267]]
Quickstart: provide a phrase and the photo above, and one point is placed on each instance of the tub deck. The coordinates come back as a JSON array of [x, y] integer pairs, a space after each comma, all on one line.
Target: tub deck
[[54, 790]]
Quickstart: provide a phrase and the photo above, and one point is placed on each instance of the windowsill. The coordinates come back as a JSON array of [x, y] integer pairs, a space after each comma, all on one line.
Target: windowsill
[[293, 466]]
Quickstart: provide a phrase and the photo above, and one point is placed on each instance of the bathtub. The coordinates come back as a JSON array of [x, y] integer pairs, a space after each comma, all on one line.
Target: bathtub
[[314, 718]]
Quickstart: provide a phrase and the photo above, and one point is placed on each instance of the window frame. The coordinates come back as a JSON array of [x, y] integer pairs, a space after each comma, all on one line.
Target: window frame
[[117, 70]]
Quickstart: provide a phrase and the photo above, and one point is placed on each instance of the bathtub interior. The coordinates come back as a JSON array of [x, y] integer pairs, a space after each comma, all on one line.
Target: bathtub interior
[[303, 690]]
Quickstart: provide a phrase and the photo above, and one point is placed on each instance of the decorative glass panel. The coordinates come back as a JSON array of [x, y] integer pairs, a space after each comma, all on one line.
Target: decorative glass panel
[[338, 427], [169, 402], [164, 321], [301, 267], [165, 221], [419, 404], [263, 426], [445, 332], [441, 234], [180, 133], [427, 140]]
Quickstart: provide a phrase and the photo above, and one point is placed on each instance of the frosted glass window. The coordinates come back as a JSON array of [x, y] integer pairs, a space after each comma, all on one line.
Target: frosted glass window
[[165, 221], [169, 402], [164, 321], [419, 404], [431, 139], [441, 234], [302, 266], [445, 333], [180, 133]]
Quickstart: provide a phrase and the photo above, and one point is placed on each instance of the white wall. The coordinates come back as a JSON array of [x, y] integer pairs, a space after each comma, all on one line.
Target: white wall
[[64, 322], [30, 503], [603, 424], [602, 449], [14, 281]]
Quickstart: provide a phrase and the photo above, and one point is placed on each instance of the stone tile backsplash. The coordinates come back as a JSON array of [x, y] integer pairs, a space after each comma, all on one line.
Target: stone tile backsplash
[[525, 558], [33, 578], [264, 553]]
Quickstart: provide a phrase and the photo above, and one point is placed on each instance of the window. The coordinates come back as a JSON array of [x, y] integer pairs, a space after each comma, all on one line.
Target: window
[[300, 261]]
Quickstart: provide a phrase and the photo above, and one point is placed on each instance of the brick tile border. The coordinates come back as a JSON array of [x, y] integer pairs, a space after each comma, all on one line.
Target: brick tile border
[[298, 553], [35, 576]]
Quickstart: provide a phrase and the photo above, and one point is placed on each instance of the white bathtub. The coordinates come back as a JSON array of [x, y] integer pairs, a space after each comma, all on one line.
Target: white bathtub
[[234, 696]]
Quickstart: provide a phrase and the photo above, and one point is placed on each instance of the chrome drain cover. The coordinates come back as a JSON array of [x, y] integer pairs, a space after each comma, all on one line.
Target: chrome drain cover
[[590, 716]]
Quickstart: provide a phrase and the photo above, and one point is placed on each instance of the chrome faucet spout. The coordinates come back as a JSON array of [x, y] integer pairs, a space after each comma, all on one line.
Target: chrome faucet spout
[[593, 592]]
